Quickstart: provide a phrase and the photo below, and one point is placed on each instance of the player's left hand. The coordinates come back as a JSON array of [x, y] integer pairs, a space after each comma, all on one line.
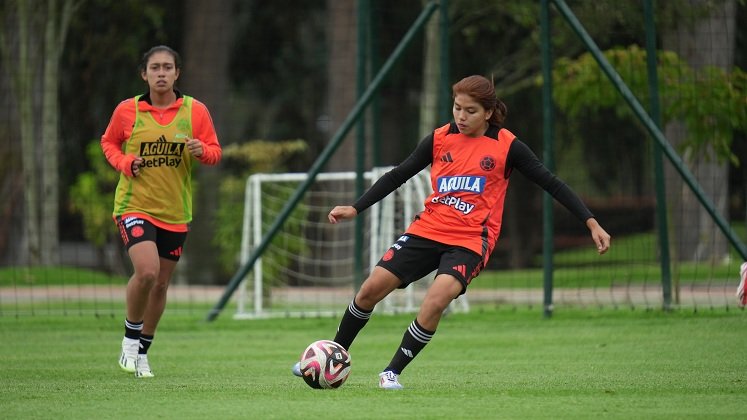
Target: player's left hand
[[194, 146], [599, 235], [340, 213]]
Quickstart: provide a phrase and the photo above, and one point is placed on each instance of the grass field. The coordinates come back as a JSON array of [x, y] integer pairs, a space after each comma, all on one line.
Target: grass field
[[482, 365]]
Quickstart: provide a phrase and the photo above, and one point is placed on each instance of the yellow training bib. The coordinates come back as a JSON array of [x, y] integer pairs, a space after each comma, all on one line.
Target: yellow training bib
[[163, 189]]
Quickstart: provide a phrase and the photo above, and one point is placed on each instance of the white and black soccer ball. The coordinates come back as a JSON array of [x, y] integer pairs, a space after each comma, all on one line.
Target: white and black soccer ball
[[325, 364]]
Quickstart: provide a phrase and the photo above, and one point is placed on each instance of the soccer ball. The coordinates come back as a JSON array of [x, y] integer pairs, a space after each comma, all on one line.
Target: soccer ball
[[325, 364]]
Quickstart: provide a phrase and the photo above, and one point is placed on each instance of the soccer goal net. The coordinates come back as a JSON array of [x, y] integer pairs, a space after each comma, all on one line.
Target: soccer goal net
[[308, 269]]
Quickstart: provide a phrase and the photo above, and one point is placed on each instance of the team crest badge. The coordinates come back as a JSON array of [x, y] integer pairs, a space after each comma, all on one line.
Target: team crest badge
[[487, 163]]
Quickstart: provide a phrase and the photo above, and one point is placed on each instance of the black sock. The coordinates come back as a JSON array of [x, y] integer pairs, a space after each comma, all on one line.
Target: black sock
[[145, 342], [352, 322], [133, 329], [414, 340]]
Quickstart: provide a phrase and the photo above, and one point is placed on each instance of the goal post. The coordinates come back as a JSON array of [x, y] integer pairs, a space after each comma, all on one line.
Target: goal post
[[308, 269]]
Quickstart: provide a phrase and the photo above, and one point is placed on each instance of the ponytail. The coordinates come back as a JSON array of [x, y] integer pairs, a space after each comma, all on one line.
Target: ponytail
[[500, 111]]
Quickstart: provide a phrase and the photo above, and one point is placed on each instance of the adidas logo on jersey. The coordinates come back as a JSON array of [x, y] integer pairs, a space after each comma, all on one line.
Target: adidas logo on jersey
[[447, 158]]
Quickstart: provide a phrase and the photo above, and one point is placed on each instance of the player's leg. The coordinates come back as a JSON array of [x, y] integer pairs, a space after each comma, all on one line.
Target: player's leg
[[153, 313], [444, 289], [169, 246], [377, 286], [406, 261], [145, 261], [456, 269], [146, 265], [157, 298], [742, 288]]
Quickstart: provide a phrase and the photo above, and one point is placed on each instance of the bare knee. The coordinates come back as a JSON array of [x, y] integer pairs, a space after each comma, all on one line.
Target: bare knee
[[161, 285], [146, 277], [367, 298], [377, 286], [443, 291], [434, 306]]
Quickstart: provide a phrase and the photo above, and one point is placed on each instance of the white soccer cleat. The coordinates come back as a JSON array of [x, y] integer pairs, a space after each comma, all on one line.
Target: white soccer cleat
[[389, 380], [741, 295], [296, 370], [142, 368], [128, 356]]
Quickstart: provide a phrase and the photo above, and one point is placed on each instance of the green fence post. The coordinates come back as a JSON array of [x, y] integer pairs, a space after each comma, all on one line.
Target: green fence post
[[661, 203], [444, 97], [548, 157], [361, 73]]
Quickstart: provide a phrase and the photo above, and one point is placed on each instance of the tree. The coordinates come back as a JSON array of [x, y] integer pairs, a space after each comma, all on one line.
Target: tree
[[206, 51], [431, 74], [696, 236], [342, 40], [702, 106], [21, 43]]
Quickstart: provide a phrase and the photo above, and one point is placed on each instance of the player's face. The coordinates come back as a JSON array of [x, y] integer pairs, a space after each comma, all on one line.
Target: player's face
[[161, 72], [470, 116]]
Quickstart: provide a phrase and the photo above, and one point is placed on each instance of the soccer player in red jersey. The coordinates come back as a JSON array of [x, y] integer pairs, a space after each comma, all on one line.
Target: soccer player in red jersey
[[153, 140], [471, 160]]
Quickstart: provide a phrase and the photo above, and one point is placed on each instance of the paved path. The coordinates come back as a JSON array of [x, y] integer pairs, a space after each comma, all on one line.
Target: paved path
[[721, 296]]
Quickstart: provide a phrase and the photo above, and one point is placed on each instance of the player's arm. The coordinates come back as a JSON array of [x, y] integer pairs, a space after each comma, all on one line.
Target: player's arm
[[114, 137], [521, 157], [390, 181], [204, 144]]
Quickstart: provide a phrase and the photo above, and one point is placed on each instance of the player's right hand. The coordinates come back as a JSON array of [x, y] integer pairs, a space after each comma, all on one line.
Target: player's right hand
[[135, 167], [341, 213]]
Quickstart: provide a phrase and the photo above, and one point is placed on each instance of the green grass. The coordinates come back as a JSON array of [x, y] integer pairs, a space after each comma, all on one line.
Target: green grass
[[52, 276], [604, 275], [486, 364], [626, 250]]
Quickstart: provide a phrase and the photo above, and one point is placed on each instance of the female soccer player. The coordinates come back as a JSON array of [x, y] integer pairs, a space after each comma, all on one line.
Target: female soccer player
[[153, 140], [471, 160]]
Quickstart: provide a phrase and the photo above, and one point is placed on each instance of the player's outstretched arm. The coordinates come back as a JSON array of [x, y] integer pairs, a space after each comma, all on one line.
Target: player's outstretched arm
[[599, 235], [340, 213]]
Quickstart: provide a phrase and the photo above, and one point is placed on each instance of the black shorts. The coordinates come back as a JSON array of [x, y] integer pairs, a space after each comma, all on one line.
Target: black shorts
[[135, 230], [412, 258]]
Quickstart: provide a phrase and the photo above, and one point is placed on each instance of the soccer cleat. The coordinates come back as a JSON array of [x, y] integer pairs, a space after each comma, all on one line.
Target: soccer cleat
[[389, 380], [741, 295], [142, 368], [296, 369], [128, 356]]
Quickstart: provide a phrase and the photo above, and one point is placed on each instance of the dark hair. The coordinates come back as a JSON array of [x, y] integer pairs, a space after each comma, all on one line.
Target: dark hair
[[159, 48], [482, 90]]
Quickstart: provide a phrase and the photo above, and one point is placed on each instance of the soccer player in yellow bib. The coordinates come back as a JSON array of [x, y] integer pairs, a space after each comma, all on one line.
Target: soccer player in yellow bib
[[153, 140]]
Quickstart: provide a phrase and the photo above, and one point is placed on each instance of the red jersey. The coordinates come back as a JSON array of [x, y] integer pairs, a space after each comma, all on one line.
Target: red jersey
[[468, 177]]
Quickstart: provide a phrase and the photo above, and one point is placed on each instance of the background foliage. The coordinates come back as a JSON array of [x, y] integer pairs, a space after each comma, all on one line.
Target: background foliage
[[277, 71]]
